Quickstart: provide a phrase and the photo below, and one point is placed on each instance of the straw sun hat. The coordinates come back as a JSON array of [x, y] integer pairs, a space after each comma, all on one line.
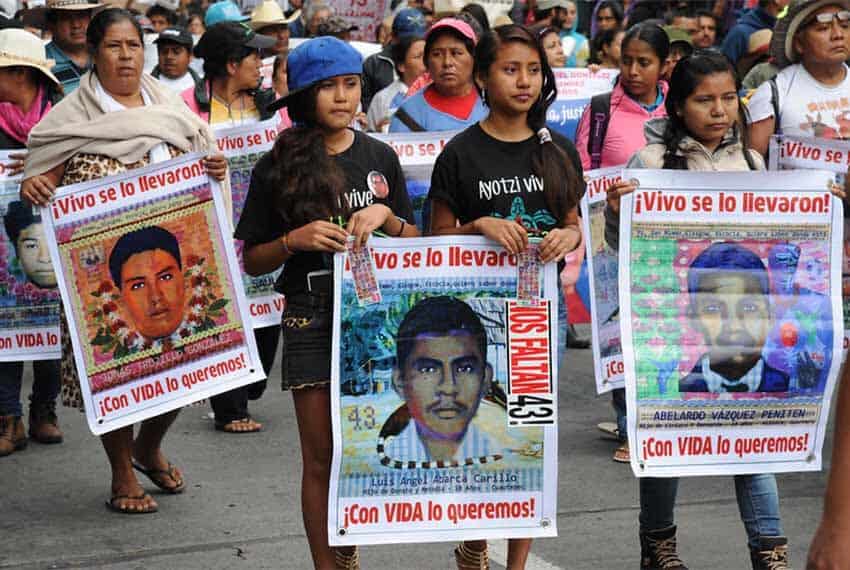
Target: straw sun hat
[[268, 13], [21, 48]]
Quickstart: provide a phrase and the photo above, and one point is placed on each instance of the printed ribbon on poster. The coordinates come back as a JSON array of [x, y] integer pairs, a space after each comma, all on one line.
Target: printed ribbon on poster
[[604, 285], [575, 88], [417, 153], [788, 153], [150, 287], [732, 327], [29, 297], [430, 387], [243, 146]]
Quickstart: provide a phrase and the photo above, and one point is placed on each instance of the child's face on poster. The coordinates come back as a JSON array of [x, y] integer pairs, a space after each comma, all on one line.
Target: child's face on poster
[[734, 315], [153, 292], [35, 257]]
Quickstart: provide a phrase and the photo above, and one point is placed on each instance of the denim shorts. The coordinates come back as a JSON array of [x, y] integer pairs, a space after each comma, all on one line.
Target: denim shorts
[[306, 326]]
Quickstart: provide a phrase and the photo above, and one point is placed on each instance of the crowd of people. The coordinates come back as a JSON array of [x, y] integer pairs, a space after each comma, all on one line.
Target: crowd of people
[[89, 90]]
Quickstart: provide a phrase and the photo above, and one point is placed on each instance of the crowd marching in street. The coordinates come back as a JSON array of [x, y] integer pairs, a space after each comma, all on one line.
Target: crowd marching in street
[[92, 90]]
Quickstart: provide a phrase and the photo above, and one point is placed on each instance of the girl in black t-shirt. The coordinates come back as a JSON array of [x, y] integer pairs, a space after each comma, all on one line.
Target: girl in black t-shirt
[[319, 171], [507, 177]]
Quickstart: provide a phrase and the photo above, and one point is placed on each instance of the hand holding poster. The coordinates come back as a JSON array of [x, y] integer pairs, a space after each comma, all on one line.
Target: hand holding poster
[[29, 299], [731, 320], [415, 460], [149, 282], [575, 88], [603, 272], [243, 146]]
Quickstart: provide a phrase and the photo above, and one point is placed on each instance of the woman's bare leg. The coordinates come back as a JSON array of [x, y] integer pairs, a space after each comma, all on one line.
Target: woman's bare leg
[[313, 412]]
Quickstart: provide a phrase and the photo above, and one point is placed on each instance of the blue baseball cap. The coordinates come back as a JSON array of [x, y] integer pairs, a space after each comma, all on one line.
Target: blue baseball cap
[[315, 60], [409, 22], [225, 11]]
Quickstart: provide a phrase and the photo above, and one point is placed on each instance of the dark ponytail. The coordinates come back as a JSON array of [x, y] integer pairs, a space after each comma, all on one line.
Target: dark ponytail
[[310, 185], [686, 76], [653, 35], [561, 183]]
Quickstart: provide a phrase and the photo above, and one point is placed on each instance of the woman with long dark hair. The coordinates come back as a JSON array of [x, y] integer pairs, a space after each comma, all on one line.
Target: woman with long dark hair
[[705, 129], [609, 139], [515, 80], [318, 172]]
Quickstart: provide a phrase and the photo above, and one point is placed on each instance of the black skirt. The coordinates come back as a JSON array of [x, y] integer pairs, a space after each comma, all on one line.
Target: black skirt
[[307, 329]]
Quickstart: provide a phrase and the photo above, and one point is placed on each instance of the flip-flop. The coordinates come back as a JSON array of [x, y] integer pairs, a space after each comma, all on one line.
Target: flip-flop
[[224, 426], [609, 429], [157, 476], [112, 505], [622, 454]]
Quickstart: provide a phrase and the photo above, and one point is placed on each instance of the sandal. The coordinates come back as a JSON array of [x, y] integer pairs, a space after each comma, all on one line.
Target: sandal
[[113, 505], [469, 559], [622, 454], [347, 561], [158, 478], [233, 426]]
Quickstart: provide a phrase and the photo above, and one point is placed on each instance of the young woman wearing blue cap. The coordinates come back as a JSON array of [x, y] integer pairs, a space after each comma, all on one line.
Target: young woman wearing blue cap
[[518, 85], [318, 172]]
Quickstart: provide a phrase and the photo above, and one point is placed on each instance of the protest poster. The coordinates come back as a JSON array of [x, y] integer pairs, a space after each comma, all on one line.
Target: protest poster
[[575, 88], [266, 72], [420, 456], [29, 299], [150, 287], [367, 15], [604, 285], [730, 283], [417, 153], [788, 153], [243, 146]]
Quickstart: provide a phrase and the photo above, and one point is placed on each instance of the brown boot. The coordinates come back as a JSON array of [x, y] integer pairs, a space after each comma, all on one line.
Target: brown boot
[[772, 553], [12, 435], [44, 426]]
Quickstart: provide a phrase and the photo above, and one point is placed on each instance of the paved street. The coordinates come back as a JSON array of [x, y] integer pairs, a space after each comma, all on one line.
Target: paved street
[[241, 508]]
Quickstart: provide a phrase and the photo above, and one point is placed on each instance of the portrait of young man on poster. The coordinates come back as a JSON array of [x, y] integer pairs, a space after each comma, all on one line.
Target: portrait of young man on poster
[[442, 374], [729, 292], [147, 268], [26, 234]]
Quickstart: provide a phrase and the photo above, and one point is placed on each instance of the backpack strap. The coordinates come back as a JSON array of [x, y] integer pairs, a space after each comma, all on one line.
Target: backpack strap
[[408, 121], [600, 106], [774, 101]]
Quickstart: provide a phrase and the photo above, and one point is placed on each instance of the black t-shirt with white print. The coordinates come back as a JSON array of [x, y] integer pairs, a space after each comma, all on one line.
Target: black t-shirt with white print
[[477, 175], [373, 175]]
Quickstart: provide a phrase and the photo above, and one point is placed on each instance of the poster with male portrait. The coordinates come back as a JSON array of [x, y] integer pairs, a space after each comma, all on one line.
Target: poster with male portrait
[[576, 86], [417, 153], [732, 331], [789, 153], [29, 299], [602, 261], [243, 146], [444, 397], [150, 287]]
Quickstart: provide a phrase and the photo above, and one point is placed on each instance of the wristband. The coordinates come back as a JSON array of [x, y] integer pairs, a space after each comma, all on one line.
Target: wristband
[[401, 229], [285, 243]]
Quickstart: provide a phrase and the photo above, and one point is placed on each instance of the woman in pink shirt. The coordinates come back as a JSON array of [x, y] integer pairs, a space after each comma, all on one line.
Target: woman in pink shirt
[[637, 97]]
